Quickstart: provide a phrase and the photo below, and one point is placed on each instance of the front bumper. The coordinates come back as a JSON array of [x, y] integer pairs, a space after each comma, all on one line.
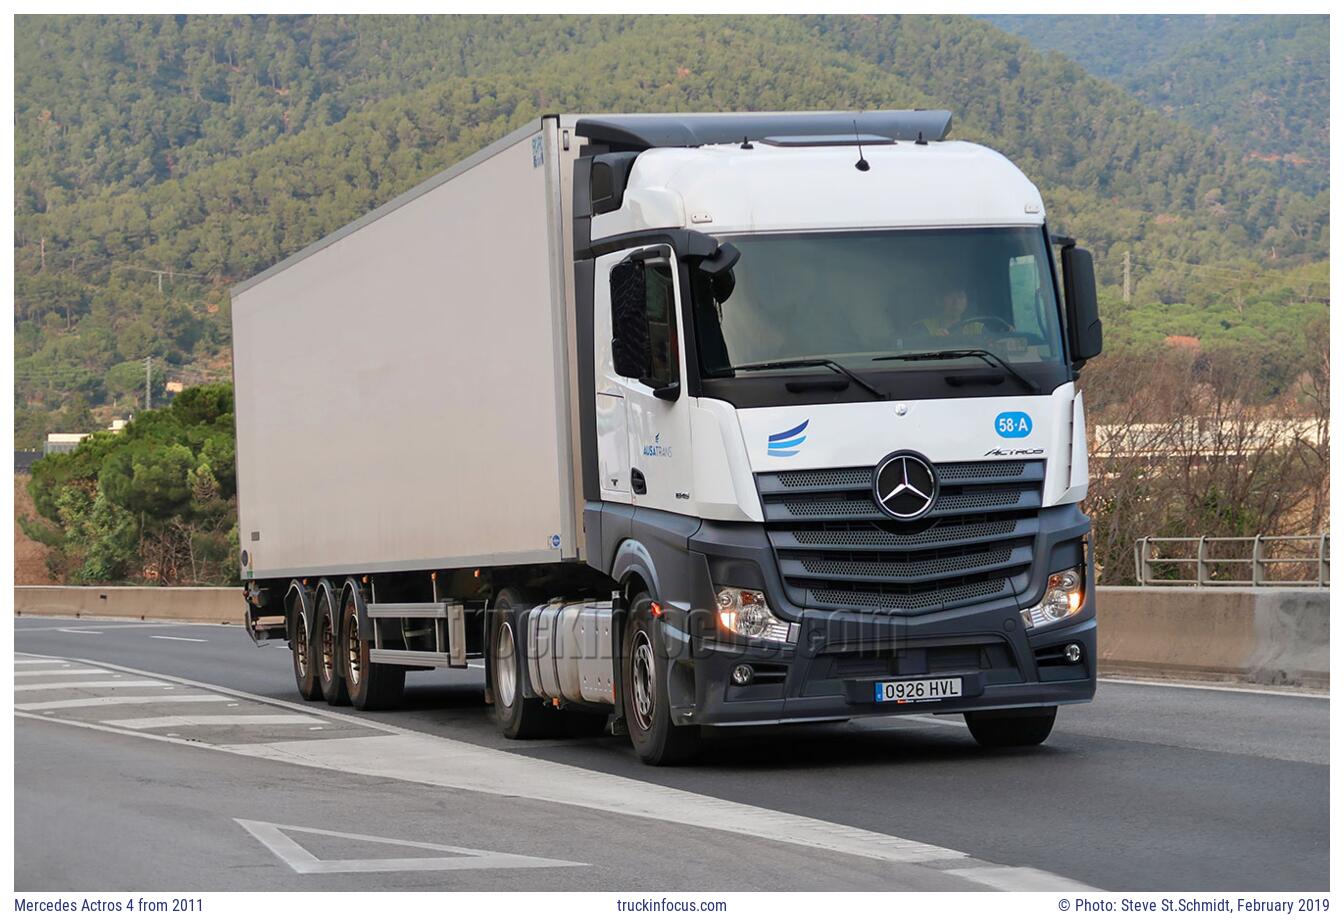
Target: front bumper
[[822, 678]]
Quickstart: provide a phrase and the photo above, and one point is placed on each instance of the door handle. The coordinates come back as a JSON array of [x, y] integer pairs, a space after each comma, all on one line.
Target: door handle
[[637, 483]]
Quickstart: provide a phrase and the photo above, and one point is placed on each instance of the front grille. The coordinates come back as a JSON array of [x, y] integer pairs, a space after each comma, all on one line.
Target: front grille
[[836, 548]]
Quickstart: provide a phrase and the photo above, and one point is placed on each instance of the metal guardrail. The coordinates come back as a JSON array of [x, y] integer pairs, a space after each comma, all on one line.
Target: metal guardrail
[[1213, 564]]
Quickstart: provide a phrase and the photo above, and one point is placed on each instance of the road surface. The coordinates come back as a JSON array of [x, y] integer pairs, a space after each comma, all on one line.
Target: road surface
[[156, 756]]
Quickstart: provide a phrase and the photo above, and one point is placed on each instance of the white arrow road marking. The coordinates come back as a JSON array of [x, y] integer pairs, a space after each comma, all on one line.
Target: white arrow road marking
[[61, 672], [275, 839], [179, 639], [82, 684], [81, 702], [183, 721]]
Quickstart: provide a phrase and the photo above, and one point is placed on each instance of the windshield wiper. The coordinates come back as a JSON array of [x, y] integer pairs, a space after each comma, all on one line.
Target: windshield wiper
[[988, 357], [812, 362]]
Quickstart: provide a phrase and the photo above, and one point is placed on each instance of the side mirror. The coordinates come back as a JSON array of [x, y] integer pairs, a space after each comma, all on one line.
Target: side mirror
[[1080, 297], [630, 349]]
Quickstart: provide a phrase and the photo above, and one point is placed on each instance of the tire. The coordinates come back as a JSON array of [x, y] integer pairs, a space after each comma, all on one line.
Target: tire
[[369, 685], [302, 652], [327, 646], [518, 716], [1009, 729], [648, 713]]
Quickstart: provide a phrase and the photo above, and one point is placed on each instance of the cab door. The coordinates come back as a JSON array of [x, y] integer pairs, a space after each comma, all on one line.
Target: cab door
[[613, 438], [647, 368]]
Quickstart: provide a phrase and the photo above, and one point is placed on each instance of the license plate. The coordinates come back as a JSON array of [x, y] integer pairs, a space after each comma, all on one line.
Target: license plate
[[925, 690]]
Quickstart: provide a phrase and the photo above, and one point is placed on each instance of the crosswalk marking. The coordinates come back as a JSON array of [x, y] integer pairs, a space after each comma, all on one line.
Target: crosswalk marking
[[87, 684], [82, 702], [185, 721]]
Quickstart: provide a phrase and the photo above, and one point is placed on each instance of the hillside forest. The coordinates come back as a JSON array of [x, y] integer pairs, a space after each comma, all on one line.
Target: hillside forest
[[161, 159]]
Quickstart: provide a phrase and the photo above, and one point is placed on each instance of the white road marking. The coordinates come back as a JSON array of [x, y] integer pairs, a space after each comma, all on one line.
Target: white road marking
[[1267, 691], [48, 661], [83, 684], [82, 702], [120, 623], [86, 632], [1015, 878], [184, 721], [274, 838], [179, 639], [61, 672], [403, 754]]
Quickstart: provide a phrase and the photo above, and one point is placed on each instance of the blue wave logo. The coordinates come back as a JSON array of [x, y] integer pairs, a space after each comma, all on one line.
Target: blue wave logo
[[786, 443]]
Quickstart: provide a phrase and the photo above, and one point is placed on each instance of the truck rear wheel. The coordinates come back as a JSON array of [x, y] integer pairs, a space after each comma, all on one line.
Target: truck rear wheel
[[1012, 728], [328, 657], [648, 713], [301, 646], [370, 685], [518, 716]]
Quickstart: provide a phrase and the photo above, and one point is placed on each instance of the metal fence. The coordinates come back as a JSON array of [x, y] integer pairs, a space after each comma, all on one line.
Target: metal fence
[[1234, 561]]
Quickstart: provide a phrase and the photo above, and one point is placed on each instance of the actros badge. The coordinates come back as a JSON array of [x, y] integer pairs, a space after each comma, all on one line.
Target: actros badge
[[905, 485]]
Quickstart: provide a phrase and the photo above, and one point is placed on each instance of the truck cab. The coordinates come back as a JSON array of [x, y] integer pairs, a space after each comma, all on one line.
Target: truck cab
[[837, 431]]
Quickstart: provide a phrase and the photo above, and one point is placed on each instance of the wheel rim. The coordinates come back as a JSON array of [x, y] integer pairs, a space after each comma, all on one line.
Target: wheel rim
[[328, 646], [300, 642], [642, 681], [505, 662], [352, 650]]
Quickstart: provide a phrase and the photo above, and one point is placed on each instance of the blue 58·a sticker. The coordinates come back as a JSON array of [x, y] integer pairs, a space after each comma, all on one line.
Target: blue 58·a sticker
[[1012, 425]]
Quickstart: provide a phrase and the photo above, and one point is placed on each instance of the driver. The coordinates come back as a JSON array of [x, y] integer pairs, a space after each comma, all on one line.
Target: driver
[[948, 319]]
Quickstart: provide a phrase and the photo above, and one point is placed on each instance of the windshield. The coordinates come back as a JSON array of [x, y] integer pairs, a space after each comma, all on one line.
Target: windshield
[[862, 298]]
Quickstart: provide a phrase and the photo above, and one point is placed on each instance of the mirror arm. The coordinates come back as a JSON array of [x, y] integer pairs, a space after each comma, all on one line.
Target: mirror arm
[[669, 391]]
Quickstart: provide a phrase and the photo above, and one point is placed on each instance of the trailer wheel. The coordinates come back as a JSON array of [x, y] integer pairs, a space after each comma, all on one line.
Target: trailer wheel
[[370, 685], [648, 713], [301, 644], [1011, 729], [518, 716], [328, 657]]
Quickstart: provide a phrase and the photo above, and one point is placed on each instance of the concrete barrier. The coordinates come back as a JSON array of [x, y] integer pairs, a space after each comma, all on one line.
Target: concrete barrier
[[1262, 635], [195, 605]]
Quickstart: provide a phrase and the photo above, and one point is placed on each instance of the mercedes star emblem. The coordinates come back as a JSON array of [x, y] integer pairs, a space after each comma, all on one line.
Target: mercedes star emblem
[[904, 485]]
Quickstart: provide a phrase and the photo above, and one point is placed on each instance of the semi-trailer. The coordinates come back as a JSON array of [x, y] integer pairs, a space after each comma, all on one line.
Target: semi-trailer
[[678, 421]]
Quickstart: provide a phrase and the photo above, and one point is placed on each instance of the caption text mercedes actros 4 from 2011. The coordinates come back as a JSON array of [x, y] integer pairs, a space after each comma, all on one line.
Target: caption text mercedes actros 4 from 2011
[[679, 421]]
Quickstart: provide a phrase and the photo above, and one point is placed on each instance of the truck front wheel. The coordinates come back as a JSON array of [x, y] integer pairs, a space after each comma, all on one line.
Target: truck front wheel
[[648, 713], [370, 685], [518, 716], [1011, 728]]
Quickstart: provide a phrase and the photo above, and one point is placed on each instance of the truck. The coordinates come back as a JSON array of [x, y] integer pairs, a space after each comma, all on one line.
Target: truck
[[682, 420]]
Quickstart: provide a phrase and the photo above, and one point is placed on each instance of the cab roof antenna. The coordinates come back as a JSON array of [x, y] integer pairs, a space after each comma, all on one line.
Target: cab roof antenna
[[862, 165]]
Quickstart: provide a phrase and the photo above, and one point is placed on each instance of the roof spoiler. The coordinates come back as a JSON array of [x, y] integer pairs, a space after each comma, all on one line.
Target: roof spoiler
[[641, 132]]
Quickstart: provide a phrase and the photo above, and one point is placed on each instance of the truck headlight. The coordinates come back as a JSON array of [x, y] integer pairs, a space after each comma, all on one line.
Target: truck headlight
[[744, 612], [1063, 598]]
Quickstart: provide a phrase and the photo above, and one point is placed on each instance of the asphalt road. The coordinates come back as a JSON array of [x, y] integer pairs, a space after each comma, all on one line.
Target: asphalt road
[[165, 784]]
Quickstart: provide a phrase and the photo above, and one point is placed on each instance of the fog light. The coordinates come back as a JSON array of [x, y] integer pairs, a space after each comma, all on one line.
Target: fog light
[[742, 675], [1063, 598], [1073, 653]]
